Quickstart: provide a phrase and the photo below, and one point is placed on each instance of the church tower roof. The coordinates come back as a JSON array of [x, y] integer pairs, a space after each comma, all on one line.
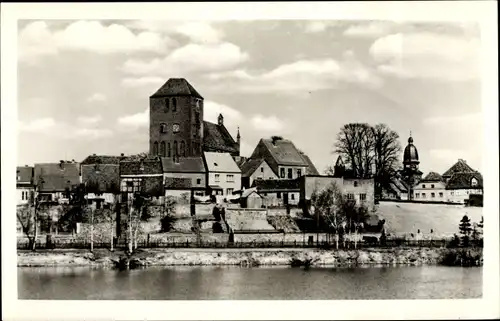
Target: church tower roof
[[176, 87], [410, 155]]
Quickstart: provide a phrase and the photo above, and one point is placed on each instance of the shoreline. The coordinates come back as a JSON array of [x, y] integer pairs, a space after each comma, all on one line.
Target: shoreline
[[235, 257]]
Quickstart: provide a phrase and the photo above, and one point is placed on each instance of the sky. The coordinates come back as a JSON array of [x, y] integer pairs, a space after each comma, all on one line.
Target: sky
[[84, 85]]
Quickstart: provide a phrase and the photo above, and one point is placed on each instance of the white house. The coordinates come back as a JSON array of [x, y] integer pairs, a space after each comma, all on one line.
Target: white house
[[24, 184], [254, 169], [431, 188], [224, 175]]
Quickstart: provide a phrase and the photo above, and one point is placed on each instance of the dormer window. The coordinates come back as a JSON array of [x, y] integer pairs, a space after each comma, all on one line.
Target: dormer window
[[473, 181], [163, 128]]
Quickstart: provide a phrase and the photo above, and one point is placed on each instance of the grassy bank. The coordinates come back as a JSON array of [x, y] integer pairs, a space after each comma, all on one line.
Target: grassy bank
[[244, 257]]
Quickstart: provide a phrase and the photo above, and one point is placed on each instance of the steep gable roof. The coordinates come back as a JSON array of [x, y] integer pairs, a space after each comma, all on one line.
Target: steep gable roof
[[464, 181], [101, 159], [176, 87], [185, 165], [284, 152], [144, 167], [432, 177], [311, 169], [250, 166], [103, 177], [221, 162], [459, 167], [25, 174], [56, 177], [217, 138]]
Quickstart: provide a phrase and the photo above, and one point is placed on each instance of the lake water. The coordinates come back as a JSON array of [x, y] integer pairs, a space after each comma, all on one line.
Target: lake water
[[278, 283]]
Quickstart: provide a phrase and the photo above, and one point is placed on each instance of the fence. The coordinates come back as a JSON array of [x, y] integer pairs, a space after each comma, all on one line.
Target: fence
[[122, 244]]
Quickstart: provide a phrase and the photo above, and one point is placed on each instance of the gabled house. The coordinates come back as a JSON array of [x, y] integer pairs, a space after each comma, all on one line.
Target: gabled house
[[431, 188], [223, 174], [24, 184], [462, 185], [286, 161], [54, 180], [141, 176], [102, 182], [216, 138], [183, 175], [459, 167], [254, 169]]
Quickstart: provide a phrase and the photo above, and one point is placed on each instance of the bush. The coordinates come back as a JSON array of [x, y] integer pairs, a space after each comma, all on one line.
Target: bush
[[462, 257], [167, 223]]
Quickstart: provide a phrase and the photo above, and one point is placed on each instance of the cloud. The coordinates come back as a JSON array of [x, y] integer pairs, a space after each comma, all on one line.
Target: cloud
[[191, 57], [36, 39], [298, 77], [319, 26], [369, 29], [89, 119], [143, 82], [37, 125], [211, 111], [196, 31], [135, 120], [92, 133], [267, 123], [97, 97], [427, 55]]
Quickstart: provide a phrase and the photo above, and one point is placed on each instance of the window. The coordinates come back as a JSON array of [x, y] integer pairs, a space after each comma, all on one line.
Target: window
[[262, 169], [18, 178], [292, 196], [417, 195], [433, 195], [350, 196], [290, 173], [299, 173], [175, 149], [162, 149], [440, 194], [473, 181], [229, 178], [362, 197], [229, 191], [423, 195], [155, 148], [183, 149], [169, 152], [282, 172], [217, 177], [176, 128], [163, 128], [174, 104], [423, 186], [278, 195], [452, 193], [167, 105], [355, 184], [198, 181], [432, 185]]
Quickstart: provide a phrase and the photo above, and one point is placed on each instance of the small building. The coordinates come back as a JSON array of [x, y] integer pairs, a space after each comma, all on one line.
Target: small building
[[102, 181], [24, 184], [53, 181], [254, 169], [141, 176], [462, 185], [181, 175], [277, 192], [396, 190], [431, 188], [286, 161], [250, 198], [223, 174]]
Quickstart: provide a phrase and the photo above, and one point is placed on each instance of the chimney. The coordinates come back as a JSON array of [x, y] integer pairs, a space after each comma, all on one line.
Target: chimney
[[220, 120]]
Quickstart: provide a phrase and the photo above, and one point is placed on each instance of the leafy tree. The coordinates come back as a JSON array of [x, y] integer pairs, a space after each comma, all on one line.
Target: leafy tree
[[355, 143], [387, 151], [477, 231]]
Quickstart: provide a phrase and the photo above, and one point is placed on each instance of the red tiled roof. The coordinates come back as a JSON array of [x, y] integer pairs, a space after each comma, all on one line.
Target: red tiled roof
[[216, 138], [176, 87], [56, 177]]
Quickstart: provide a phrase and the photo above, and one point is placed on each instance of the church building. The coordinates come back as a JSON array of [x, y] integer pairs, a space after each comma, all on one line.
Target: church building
[[177, 128]]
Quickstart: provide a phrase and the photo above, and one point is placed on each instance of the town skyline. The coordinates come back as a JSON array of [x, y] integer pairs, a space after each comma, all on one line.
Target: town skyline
[[344, 70]]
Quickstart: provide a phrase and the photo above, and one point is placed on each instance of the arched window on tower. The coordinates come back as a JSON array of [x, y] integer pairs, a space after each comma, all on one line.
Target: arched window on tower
[[162, 149], [182, 152], [155, 148], [167, 105], [163, 128], [174, 104], [169, 152], [175, 149]]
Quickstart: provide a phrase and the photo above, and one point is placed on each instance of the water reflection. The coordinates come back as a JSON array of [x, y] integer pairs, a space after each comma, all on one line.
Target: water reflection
[[278, 283]]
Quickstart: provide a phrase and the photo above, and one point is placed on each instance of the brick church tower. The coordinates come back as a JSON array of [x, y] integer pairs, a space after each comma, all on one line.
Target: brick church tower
[[176, 120]]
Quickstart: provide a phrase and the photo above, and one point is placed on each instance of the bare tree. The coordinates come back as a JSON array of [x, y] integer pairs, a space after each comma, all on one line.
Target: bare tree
[[355, 143], [387, 151]]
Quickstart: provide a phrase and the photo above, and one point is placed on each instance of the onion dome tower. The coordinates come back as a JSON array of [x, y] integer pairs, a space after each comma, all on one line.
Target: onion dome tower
[[411, 173]]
